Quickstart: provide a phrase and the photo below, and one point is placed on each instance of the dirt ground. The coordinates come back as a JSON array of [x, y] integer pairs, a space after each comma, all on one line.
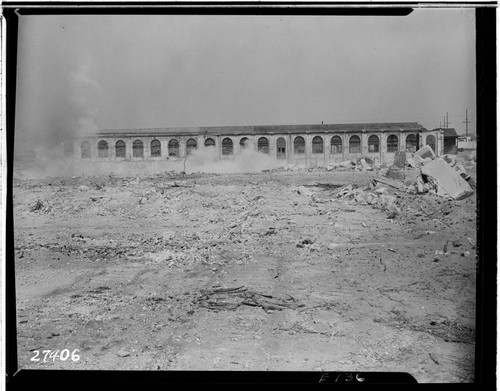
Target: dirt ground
[[268, 271]]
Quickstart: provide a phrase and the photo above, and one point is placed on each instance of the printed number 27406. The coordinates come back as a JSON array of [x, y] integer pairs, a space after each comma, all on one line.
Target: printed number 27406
[[63, 355]]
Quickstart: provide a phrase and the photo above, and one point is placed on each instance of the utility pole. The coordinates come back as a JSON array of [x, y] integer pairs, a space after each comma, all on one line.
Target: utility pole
[[467, 122], [447, 123]]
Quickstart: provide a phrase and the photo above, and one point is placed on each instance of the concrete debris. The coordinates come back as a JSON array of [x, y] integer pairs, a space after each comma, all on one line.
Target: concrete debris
[[365, 165], [395, 173], [472, 243], [381, 190], [446, 180], [399, 159], [412, 162], [412, 188], [38, 205], [454, 162], [360, 164], [392, 183], [305, 191], [424, 153], [444, 176], [369, 161], [376, 198], [420, 185]]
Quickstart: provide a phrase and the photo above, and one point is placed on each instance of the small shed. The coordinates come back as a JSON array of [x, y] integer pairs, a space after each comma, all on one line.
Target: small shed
[[450, 137]]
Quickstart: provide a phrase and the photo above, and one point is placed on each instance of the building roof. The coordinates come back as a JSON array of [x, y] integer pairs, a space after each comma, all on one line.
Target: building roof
[[448, 132], [266, 129]]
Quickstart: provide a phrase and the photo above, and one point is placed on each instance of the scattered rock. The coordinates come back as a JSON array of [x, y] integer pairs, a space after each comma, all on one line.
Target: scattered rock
[[334, 246]]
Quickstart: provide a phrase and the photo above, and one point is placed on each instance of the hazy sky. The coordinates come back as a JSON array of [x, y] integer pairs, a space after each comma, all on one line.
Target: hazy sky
[[87, 72]]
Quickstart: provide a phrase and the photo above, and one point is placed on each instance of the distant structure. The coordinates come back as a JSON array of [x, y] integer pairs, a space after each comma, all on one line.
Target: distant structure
[[450, 138], [465, 143], [308, 145]]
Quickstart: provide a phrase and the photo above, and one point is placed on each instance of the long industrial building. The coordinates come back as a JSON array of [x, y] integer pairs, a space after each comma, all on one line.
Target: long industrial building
[[318, 144]]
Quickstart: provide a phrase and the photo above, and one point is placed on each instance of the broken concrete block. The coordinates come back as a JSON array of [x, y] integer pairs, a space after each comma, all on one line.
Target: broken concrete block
[[386, 200], [345, 189], [425, 152], [412, 189], [469, 179], [450, 159], [448, 181], [364, 164], [420, 185], [371, 199], [399, 159], [421, 160], [392, 183], [304, 190], [395, 173], [412, 162]]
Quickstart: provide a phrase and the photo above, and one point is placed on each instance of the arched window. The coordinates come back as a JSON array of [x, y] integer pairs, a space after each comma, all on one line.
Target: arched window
[[102, 148], [354, 144], [411, 143], [155, 148], [244, 142], [263, 145], [138, 149], [281, 148], [392, 143], [317, 144], [191, 145], [209, 142], [373, 144], [85, 148], [227, 146], [299, 145], [431, 142], [120, 148], [336, 145], [173, 148]]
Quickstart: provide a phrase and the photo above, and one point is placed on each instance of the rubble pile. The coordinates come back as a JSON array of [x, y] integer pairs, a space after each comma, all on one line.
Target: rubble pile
[[445, 176], [378, 197], [181, 271], [359, 164], [439, 176]]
